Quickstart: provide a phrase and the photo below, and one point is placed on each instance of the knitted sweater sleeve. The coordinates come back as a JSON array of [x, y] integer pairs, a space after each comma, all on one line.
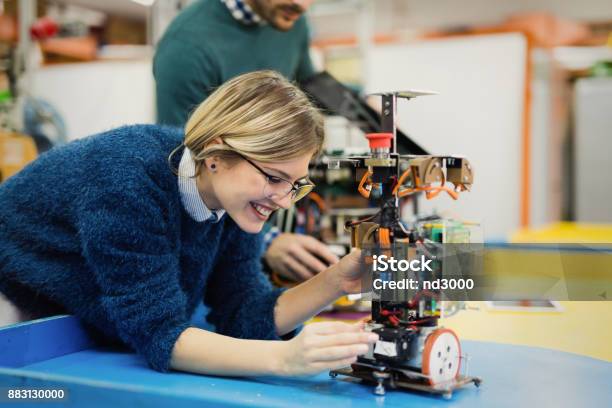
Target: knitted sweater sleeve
[[240, 296], [124, 229]]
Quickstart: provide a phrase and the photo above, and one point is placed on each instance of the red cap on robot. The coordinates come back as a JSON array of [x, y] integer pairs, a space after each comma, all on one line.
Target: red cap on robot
[[379, 140]]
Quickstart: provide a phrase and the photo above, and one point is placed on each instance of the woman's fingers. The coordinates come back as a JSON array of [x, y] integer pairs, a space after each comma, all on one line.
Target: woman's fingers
[[344, 339], [337, 341], [334, 327], [336, 352], [328, 345], [364, 320], [332, 365]]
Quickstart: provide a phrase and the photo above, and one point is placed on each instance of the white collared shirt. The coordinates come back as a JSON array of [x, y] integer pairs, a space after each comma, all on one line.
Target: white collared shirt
[[190, 197]]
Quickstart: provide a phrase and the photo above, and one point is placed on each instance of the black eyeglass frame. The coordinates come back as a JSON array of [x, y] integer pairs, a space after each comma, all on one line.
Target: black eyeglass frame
[[294, 186]]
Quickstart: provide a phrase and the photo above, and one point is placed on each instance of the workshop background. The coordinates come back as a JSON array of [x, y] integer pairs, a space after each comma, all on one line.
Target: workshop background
[[525, 92]]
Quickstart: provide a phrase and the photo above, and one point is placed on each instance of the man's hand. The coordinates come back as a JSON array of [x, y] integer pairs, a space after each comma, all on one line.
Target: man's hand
[[298, 257]]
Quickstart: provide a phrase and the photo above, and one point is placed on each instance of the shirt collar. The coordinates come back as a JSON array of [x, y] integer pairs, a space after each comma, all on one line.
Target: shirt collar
[[242, 12], [188, 189]]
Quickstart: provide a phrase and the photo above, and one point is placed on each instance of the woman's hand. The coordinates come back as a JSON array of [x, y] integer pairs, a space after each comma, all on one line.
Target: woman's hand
[[324, 346], [348, 274], [303, 301]]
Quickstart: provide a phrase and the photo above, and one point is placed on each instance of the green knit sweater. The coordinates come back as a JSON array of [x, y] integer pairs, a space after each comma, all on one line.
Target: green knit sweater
[[206, 46]]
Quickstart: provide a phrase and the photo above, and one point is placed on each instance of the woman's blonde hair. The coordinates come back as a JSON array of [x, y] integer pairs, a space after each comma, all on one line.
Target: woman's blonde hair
[[259, 115]]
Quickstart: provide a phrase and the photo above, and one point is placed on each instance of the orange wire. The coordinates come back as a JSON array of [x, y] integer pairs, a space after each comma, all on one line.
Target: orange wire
[[384, 237], [365, 193], [431, 192], [417, 182], [401, 181], [317, 199]]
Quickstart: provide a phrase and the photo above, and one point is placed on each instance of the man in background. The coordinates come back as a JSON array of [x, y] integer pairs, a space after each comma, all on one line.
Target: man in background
[[212, 41]]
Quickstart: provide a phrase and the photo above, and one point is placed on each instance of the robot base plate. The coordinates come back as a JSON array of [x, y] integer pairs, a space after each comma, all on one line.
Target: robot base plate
[[402, 379]]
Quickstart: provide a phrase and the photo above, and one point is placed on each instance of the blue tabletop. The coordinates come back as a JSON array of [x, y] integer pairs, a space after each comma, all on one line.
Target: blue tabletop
[[513, 376]]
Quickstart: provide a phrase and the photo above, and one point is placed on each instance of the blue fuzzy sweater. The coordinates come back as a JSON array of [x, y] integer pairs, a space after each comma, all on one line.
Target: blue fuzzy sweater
[[96, 228]]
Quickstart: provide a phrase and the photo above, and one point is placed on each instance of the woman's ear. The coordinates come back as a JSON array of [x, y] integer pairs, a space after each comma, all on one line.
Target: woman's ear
[[211, 164]]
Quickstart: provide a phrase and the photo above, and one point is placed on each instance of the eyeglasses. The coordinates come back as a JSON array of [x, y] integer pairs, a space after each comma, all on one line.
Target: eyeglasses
[[279, 188]]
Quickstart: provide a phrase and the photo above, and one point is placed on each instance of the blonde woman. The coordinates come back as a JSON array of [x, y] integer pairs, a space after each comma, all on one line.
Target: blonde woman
[[131, 229]]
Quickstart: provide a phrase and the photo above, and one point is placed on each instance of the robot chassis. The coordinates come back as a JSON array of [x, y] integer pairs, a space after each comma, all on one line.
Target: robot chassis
[[413, 352]]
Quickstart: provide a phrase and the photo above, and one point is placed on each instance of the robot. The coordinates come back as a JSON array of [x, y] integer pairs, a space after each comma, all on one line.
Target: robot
[[413, 351]]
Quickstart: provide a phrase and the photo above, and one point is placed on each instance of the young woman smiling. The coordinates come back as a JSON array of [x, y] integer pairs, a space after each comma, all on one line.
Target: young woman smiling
[[130, 229]]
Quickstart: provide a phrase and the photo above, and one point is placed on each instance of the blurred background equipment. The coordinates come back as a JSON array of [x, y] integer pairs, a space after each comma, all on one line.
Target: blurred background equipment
[[43, 122], [592, 144], [16, 150], [62, 75]]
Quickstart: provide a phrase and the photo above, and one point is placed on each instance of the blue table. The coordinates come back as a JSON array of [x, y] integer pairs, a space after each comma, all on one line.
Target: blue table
[[56, 353]]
